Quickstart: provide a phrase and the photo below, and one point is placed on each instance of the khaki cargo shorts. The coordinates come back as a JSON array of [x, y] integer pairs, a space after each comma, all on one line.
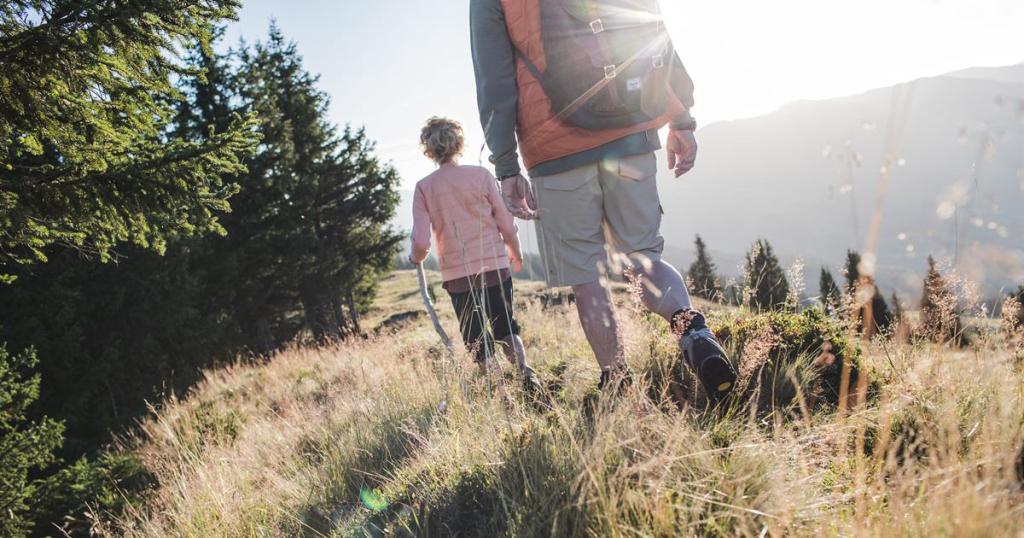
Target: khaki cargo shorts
[[595, 211]]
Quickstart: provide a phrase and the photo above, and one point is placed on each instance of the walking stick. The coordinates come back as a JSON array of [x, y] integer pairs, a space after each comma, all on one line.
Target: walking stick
[[430, 310]]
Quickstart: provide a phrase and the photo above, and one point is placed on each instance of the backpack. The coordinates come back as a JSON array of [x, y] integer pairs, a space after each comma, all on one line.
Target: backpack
[[608, 61]]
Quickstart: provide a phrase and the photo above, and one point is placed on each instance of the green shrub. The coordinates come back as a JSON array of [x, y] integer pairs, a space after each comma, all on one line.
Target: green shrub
[[105, 485], [782, 356], [38, 492], [26, 446]]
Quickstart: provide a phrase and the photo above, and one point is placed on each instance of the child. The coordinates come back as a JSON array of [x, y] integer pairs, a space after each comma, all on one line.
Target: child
[[477, 242]]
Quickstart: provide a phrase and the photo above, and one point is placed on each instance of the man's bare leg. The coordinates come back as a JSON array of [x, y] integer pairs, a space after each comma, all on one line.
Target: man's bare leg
[[662, 288], [597, 315], [664, 293]]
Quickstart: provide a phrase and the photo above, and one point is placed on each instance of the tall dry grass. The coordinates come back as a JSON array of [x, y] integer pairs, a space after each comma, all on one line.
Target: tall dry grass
[[389, 436]]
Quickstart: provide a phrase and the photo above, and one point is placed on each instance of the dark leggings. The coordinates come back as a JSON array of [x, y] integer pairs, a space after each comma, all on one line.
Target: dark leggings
[[493, 304]]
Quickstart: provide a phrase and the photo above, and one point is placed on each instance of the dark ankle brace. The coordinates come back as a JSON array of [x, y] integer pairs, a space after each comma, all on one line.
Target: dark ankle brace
[[687, 320]]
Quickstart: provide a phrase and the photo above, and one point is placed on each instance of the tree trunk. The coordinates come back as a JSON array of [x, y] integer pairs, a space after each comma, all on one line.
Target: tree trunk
[[264, 337], [338, 308], [319, 314], [353, 313]]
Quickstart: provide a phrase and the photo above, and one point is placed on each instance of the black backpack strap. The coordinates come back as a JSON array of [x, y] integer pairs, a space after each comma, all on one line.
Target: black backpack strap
[[530, 66], [601, 38]]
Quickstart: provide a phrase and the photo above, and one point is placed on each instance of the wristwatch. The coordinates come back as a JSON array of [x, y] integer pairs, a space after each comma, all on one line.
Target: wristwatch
[[688, 125]]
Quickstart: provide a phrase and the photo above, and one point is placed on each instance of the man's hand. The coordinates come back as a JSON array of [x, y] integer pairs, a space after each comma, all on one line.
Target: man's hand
[[516, 261], [517, 193], [682, 151]]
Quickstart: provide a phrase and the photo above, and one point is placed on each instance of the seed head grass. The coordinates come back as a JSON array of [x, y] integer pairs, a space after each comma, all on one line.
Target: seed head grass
[[391, 436]]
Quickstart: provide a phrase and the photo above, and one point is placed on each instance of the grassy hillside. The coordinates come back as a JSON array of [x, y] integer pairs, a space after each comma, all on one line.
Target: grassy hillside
[[389, 437]]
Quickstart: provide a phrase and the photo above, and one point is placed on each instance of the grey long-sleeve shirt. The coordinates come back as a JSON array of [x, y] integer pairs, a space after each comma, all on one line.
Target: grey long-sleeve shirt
[[494, 61]]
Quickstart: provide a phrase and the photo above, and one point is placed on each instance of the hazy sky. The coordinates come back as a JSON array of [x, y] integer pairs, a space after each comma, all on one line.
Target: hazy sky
[[390, 64]]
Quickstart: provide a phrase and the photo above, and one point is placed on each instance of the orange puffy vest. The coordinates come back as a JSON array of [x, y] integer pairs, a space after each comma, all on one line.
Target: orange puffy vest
[[542, 136]]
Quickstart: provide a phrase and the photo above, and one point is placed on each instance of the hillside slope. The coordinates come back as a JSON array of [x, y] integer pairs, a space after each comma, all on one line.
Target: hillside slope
[[389, 437]]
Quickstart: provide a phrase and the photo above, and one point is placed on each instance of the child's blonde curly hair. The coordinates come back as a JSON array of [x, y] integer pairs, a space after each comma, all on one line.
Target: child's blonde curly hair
[[442, 140]]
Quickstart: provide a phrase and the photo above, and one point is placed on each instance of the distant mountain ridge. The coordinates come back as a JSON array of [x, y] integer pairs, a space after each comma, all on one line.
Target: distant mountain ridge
[[1013, 74], [805, 177]]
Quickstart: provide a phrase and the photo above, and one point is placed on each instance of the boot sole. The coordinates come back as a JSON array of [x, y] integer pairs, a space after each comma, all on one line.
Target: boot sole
[[717, 376]]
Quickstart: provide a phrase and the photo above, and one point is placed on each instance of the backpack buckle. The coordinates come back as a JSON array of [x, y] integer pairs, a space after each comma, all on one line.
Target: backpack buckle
[[658, 61], [610, 72], [596, 26]]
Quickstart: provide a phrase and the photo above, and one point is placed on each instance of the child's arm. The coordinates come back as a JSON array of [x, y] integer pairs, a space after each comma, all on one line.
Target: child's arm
[[420, 228], [506, 223]]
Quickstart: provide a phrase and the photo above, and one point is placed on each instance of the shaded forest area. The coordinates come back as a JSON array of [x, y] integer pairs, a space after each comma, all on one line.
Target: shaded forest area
[[164, 208]]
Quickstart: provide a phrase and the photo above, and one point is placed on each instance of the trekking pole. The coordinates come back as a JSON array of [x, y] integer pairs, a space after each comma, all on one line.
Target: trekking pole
[[430, 310]]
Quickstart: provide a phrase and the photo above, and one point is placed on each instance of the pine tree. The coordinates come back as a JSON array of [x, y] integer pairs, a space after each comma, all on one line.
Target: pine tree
[[900, 324], [880, 313], [766, 281], [857, 288], [213, 101], [26, 446], [1020, 300], [898, 312], [704, 275], [85, 106], [852, 272], [831, 297], [940, 320], [90, 162], [208, 298], [208, 90], [308, 229], [313, 217]]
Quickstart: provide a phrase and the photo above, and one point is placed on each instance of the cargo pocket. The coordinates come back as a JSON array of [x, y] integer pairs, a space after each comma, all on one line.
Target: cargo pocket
[[571, 204], [569, 181], [638, 167]]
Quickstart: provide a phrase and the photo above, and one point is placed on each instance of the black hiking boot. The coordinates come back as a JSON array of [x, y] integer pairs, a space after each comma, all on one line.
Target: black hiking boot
[[531, 383], [615, 381], [612, 385], [705, 355], [534, 391]]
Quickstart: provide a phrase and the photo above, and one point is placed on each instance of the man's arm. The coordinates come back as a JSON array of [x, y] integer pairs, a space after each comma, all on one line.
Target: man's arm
[[682, 87], [505, 220], [681, 147], [494, 61]]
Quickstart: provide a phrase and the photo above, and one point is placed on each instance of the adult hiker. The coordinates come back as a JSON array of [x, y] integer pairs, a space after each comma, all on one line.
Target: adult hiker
[[477, 245], [580, 88]]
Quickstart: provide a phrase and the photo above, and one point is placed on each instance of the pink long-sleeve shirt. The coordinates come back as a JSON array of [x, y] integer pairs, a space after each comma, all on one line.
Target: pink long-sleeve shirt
[[469, 220]]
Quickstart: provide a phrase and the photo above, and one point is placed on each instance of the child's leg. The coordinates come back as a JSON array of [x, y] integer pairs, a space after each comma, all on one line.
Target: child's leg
[[504, 325], [515, 350], [468, 307]]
